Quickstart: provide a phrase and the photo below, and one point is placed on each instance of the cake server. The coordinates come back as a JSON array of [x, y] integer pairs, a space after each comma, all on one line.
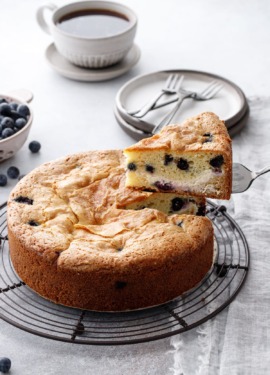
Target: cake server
[[243, 177]]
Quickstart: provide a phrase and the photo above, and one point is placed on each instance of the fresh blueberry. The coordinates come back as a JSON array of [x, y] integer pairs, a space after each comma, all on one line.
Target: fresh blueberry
[[168, 159], [2, 100], [23, 110], [34, 146], [149, 168], [15, 115], [182, 164], [217, 161], [3, 180], [177, 204], [13, 172], [5, 109], [14, 105], [7, 133], [7, 122], [132, 166], [20, 123], [5, 364]]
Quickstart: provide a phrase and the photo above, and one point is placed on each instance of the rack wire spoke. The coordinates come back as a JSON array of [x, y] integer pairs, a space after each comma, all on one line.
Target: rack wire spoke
[[23, 308]]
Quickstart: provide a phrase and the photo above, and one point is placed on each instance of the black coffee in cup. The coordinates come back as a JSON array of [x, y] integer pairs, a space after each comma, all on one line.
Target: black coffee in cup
[[93, 23]]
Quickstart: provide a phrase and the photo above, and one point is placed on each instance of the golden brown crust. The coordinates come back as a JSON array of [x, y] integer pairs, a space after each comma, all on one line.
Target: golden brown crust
[[188, 136], [89, 252]]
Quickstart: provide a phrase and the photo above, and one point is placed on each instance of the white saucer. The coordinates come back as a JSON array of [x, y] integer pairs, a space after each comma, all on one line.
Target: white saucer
[[68, 70], [229, 104]]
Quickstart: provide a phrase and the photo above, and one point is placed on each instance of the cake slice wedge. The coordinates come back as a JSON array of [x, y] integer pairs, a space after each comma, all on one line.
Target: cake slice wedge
[[193, 158]]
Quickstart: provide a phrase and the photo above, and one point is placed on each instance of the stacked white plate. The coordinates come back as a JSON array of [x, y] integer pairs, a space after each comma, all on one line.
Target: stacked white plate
[[229, 104]]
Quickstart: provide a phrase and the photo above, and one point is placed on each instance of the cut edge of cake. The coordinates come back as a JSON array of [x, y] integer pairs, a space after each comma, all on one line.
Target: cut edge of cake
[[193, 158]]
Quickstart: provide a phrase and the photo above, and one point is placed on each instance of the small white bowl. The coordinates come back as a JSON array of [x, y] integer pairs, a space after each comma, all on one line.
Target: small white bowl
[[9, 146], [89, 52]]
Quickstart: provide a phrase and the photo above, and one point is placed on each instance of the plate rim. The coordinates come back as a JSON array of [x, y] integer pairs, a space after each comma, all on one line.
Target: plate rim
[[230, 121]]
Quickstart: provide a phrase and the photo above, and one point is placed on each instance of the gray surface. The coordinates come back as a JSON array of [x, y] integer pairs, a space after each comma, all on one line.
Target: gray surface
[[73, 116]]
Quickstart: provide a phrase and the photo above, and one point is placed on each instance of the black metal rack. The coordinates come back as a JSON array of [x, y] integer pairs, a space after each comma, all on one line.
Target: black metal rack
[[23, 308]]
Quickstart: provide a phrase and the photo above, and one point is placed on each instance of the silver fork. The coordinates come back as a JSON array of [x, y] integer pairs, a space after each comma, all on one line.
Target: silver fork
[[243, 177], [208, 93], [172, 86]]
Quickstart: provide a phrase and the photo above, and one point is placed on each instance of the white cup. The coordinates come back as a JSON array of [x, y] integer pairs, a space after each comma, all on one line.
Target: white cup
[[98, 52]]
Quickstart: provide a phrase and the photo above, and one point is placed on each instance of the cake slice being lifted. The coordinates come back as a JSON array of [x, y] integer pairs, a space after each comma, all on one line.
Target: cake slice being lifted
[[194, 158]]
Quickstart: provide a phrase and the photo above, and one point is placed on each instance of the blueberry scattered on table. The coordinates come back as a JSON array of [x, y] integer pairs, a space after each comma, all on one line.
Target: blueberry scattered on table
[[5, 364], [34, 146], [13, 172], [3, 180]]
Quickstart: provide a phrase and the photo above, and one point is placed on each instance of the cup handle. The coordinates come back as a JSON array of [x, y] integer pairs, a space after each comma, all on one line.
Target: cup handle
[[41, 16]]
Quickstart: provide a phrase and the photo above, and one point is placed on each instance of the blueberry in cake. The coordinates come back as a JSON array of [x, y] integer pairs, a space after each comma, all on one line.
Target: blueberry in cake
[[194, 158], [79, 237]]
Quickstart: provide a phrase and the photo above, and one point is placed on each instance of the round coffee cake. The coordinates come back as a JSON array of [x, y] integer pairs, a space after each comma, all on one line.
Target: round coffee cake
[[74, 241]]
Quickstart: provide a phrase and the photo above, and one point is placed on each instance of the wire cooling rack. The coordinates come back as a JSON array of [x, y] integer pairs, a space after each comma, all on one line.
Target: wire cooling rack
[[23, 308]]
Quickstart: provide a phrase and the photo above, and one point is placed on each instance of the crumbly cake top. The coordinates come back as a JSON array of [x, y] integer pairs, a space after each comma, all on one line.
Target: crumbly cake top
[[202, 132], [71, 210]]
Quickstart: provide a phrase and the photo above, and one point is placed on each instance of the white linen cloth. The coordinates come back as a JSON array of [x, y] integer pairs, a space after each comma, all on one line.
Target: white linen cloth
[[237, 340]]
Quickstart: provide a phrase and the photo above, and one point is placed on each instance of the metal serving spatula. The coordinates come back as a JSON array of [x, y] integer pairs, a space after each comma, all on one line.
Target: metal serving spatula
[[243, 177]]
